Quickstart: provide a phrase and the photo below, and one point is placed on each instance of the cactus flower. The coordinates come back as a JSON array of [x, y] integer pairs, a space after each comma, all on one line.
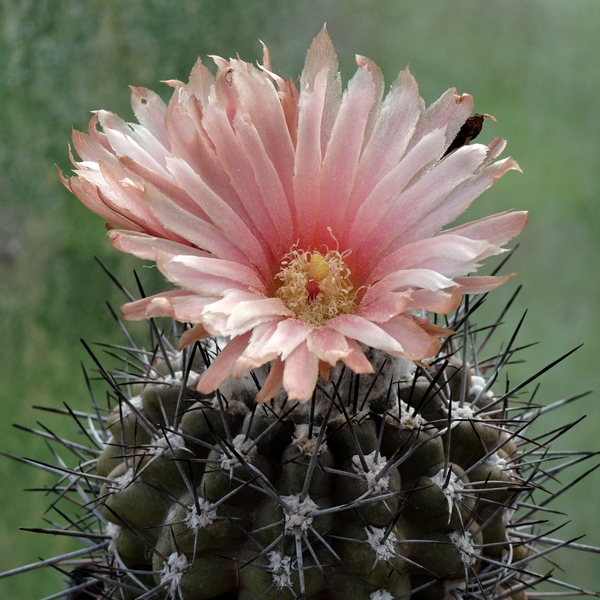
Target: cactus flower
[[303, 224]]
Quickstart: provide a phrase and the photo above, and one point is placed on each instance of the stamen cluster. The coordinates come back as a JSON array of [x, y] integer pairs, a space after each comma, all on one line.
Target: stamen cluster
[[316, 287]]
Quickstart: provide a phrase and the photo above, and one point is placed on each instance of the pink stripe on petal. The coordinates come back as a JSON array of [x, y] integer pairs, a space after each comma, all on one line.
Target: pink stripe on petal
[[300, 374], [222, 366], [422, 198], [91, 150], [197, 231], [127, 139], [307, 173], [221, 214], [321, 57], [346, 142], [431, 252], [89, 196], [238, 168], [387, 192], [320, 97], [396, 120], [273, 198], [165, 185], [459, 200], [260, 103], [190, 142], [201, 82]]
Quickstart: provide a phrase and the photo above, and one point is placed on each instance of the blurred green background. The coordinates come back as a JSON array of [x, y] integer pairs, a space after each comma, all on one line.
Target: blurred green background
[[533, 64]]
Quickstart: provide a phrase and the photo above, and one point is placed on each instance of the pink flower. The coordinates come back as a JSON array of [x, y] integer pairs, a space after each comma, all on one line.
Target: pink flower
[[300, 224]]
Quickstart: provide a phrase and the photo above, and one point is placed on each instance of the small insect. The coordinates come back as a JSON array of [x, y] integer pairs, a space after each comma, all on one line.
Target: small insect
[[469, 131]]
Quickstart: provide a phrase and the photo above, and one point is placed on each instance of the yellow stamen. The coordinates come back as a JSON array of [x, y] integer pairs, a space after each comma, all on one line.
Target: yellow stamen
[[315, 286], [318, 267]]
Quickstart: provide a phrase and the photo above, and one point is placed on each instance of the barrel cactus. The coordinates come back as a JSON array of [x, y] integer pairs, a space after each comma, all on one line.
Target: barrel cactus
[[418, 481], [317, 420]]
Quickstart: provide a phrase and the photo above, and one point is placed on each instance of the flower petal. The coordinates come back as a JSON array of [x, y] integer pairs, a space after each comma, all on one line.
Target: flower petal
[[300, 374], [329, 345], [221, 368]]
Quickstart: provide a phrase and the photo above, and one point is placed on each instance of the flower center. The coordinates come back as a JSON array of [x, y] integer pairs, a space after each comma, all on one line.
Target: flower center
[[315, 286]]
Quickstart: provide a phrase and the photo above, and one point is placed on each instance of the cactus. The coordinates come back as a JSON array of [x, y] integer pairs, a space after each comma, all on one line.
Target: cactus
[[416, 482], [330, 441]]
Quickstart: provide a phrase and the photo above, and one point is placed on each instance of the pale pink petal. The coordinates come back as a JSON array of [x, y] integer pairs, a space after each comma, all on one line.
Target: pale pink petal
[[260, 104], [271, 197], [190, 142], [300, 374], [387, 191], [189, 272], [127, 197], [345, 144], [178, 304], [192, 335], [221, 214], [439, 301], [238, 168], [197, 231], [450, 111], [321, 58], [416, 203], [91, 150], [497, 229], [128, 139], [329, 345], [288, 335], [385, 306], [150, 111], [364, 331], [273, 383], [90, 197], [457, 202], [440, 254], [356, 360], [416, 343], [221, 368], [148, 247], [320, 96], [481, 285], [164, 185], [253, 355], [268, 308], [410, 278], [387, 143]]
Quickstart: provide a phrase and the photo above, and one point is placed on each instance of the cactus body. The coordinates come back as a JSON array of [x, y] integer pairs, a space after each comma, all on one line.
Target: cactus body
[[404, 484]]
